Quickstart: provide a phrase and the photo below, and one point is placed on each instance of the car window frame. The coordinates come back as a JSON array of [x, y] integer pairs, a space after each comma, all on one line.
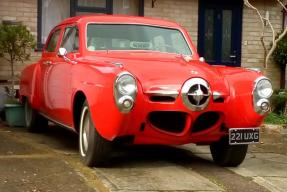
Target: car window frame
[[50, 37], [182, 31], [63, 36]]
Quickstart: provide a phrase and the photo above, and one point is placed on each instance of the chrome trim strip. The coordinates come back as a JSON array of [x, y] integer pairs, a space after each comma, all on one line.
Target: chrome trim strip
[[216, 95], [256, 69], [171, 93], [57, 122]]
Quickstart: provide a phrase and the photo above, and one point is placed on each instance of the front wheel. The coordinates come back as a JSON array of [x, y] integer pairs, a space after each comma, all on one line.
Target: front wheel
[[33, 120], [228, 155], [93, 148]]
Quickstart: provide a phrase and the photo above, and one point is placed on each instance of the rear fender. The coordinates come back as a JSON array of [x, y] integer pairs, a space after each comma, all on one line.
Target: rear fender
[[29, 87]]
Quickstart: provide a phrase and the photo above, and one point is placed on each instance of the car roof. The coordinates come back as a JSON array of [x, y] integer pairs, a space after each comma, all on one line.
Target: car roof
[[121, 19]]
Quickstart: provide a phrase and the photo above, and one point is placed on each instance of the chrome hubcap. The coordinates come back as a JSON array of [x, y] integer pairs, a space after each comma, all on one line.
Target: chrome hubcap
[[28, 114], [84, 131]]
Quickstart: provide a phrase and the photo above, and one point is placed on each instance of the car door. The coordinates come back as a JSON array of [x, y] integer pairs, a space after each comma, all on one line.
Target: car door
[[48, 58], [59, 79]]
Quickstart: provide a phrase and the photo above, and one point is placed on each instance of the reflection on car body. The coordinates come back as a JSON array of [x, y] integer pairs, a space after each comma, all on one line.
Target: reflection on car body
[[114, 77]]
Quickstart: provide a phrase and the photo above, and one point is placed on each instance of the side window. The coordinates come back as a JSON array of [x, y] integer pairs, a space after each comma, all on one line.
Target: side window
[[71, 39], [178, 43], [159, 43], [52, 43]]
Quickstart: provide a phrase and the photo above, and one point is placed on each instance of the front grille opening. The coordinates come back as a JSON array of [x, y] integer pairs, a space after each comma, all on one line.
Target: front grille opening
[[205, 121], [156, 98], [219, 100], [170, 121]]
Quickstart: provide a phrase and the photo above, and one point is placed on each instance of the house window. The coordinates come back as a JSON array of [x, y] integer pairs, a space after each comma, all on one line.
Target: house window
[[82, 7], [52, 12], [126, 7]]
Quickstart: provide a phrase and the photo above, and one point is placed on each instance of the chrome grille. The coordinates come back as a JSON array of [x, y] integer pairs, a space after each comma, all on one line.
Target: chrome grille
[[196, 94]]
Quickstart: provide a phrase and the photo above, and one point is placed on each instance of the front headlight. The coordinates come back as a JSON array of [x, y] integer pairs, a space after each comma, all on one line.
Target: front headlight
[[264, 88], [126, 84], [261, 95], [125, 90]]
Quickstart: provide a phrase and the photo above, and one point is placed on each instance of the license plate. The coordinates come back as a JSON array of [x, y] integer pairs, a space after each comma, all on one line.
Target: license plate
[[239, 136]]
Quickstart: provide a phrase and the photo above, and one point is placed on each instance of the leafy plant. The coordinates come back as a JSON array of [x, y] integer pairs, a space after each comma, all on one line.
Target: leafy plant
[[279, 102], [280, 52], [280, 57], [274, 118], [16, 44]]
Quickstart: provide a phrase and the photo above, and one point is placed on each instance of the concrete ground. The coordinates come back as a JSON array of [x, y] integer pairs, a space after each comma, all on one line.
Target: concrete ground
[[50, 162]]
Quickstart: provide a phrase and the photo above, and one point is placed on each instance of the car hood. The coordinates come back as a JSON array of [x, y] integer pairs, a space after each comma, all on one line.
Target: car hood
[[162, 71]]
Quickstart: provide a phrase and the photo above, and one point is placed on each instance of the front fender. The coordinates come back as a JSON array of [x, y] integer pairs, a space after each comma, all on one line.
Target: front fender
[[97, 86], [240, 111]]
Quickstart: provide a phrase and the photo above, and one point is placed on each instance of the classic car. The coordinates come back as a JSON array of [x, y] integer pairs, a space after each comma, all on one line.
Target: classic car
[[141, 81]]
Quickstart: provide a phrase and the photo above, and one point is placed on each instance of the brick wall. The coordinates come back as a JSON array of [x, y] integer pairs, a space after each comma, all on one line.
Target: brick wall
[[19, 10], [184, 12], [252, 50]]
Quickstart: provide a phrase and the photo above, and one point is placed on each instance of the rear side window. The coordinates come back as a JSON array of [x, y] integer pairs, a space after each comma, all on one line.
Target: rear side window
[[71, 39], [52, 43]]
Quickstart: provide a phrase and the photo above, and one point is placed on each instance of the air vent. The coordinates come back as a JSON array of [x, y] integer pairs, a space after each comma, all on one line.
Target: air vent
[[218, 100], [205, 121], [170, 121], [156, 98]]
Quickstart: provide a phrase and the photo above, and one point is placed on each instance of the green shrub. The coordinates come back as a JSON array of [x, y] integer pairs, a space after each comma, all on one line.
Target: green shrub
[[274, 118], [279, 101], [280, 53], [16, 44]]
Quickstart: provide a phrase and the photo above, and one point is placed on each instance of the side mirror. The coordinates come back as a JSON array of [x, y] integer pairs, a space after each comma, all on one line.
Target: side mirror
[[201, 59], [62, 52]]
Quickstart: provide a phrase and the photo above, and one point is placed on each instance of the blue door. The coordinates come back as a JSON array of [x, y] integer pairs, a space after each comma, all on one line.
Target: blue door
[[220, 30]]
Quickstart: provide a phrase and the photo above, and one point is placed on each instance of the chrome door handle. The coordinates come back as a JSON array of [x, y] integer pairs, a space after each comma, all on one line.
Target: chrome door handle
[[232, 56], [47, 62]]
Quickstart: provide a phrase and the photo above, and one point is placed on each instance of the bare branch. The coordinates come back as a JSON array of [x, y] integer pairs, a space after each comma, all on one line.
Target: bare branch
[[248, 4], [275, 44], [280, 2], [265, 21]]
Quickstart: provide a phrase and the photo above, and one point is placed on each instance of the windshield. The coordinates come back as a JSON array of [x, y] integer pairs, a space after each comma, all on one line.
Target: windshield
[[135, 37]]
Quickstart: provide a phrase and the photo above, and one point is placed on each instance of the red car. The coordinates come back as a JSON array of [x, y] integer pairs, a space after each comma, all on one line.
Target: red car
[[141, 81]]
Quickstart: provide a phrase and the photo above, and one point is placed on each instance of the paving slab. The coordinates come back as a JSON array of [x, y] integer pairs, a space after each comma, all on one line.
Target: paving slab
[[9, 146], [39, 174], [50, 162], [154, 176], [27, 168], [267, 169]]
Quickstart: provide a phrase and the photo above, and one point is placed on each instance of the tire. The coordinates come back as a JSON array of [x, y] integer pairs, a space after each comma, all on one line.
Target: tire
[[34, 122], [93, 148], [228, 155]]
